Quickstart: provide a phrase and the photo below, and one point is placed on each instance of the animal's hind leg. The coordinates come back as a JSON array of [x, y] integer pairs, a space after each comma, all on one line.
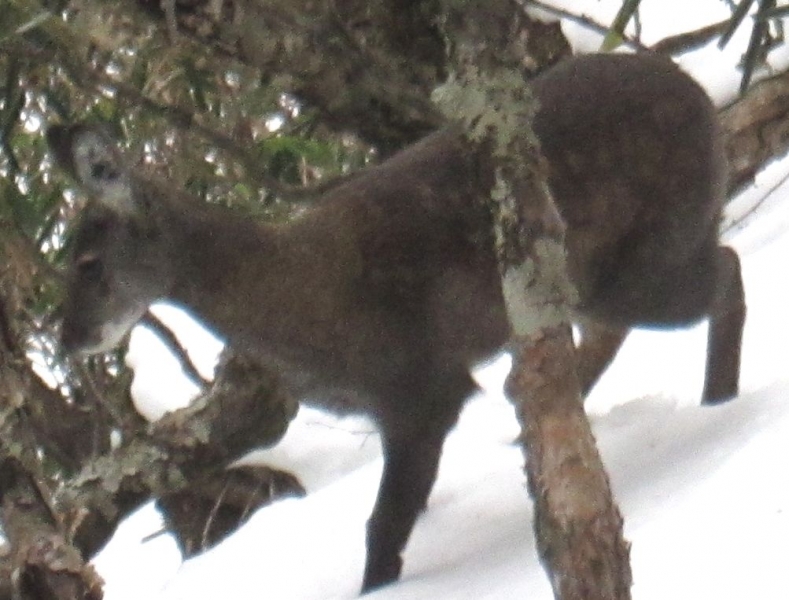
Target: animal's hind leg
[[727, 317], [597, 348]]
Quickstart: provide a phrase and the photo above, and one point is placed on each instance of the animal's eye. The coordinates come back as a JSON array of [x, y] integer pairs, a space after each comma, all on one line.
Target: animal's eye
[[90, 267], [104, 170]]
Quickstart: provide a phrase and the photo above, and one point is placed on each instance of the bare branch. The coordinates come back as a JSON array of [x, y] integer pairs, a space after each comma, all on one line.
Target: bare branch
[[685, 42], [166, 335], [582, 20], [243, 410], [756, 130]]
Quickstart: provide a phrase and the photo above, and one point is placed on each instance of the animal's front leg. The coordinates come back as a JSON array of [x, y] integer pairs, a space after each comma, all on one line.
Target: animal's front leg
[[410, 468], [412, 444]]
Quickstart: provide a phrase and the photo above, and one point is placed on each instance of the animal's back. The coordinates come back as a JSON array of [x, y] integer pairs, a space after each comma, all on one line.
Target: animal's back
[[638, 174]]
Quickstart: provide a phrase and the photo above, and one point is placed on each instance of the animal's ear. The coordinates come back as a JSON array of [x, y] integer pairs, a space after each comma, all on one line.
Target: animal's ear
[[90, 155]]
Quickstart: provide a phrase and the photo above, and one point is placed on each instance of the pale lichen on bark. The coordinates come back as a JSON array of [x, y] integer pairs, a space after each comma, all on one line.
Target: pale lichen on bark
[[528, 229], [488, 106], [488, 96], [534, 302]]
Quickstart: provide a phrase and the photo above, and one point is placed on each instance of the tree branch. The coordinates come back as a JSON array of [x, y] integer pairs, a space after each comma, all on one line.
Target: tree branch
[[45, 565], [243, 410], [582, 20], [382, 92], [756, 130], [169, 339], [181, 118], [685, 42]]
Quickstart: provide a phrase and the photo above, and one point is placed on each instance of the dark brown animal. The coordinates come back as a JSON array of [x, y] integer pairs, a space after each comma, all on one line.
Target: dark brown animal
[[381, 296]]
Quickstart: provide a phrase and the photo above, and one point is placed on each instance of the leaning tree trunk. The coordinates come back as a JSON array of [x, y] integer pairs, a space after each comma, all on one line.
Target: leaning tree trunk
[[578, 527]]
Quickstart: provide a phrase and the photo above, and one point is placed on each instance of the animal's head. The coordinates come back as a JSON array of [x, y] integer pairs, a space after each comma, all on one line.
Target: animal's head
[[119, 260]]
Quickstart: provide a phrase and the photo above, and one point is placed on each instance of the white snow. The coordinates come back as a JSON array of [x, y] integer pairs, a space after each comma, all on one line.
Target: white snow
[[704, 491]]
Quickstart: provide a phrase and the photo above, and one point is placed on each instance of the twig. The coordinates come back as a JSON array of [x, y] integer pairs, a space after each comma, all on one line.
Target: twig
[[583, 20], [758, 45], [166, 335], [204, 543], [691, 40], [185, 120], [676, 44], [101, 399], [6, 337], [168, 7]]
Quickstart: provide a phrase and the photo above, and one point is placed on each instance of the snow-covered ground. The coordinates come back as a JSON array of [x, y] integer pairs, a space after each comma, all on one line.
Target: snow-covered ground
[[704, 491]]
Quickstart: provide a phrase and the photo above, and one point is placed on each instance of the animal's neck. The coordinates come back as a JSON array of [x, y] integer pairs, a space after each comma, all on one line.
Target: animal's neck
[[257, 285], [215, 253]]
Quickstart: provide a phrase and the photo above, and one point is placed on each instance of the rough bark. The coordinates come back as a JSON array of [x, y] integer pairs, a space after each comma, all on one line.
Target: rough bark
[[44, 564], [756, 129], [577, 524], [244, 410]]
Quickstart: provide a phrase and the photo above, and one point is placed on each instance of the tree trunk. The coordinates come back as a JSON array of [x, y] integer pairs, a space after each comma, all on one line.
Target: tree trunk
[[577, 526]]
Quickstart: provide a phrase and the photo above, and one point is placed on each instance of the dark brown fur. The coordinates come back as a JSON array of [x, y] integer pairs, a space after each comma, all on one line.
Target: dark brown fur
[[381, 296]]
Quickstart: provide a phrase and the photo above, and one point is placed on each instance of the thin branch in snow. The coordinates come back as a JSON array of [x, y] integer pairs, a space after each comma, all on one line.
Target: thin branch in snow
[[173, 344]]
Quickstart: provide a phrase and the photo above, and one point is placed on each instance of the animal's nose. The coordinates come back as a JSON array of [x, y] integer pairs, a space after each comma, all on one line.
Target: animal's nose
[[74, 340]]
